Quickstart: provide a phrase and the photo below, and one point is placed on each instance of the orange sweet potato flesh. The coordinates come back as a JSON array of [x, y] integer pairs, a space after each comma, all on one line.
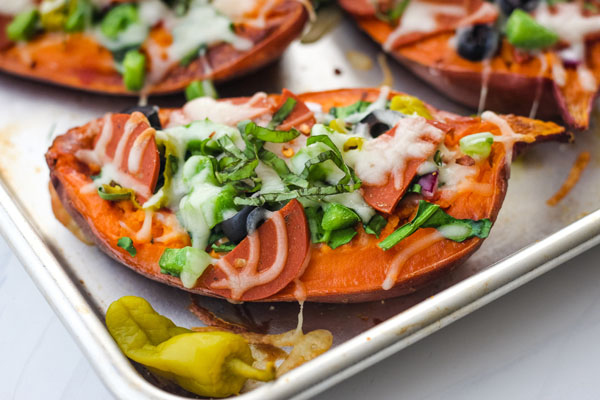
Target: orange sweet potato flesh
[[79, 61], [514, 84], [353, 272]]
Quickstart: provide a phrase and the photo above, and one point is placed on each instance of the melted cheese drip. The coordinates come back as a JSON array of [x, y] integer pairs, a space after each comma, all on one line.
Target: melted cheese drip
[[300, 289], [239, 282], [509, 136], [405, 255], [559, 75], [539, 85], [224, 112], [485, 79]]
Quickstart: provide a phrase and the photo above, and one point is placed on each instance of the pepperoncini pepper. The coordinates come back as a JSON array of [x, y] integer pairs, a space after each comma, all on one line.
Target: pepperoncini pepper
[[211, 364], [409, 105]]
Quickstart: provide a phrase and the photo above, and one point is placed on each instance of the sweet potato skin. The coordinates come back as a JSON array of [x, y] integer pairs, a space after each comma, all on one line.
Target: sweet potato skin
[[513, 87], [79, 62], [331, 275]]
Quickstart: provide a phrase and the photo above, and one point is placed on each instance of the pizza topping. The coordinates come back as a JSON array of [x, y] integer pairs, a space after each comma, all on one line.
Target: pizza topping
[[421, 17], [125, 144], [226, 112], [234, 191], [478, 145], [430, 215], [203, 88], [524, 32], [477, 42], [24, 26], [147, 39]]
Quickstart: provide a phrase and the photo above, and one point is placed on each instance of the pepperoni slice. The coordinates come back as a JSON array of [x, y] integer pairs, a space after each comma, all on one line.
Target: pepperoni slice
[[265, 263], [131, 146], [362, 8], [384, 198], [300, 118]]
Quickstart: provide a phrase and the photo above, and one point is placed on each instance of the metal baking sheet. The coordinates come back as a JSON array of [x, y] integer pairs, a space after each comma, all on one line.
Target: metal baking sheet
[[80, 282]]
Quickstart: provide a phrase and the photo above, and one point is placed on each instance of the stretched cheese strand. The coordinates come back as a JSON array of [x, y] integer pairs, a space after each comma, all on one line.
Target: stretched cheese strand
[[540, 85], [485, 79], [509, 136]]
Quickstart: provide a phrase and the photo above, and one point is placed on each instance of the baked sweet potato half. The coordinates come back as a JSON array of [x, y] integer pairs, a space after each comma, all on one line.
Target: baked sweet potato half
[[344, 195], [522, 57], [150, 47]]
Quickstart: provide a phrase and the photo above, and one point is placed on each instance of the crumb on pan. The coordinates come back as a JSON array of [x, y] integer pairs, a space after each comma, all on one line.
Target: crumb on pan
[[576, 170]]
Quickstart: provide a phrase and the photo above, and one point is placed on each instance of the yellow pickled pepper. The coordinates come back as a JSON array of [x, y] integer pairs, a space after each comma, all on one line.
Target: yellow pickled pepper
[[409, 105], [212, 364]]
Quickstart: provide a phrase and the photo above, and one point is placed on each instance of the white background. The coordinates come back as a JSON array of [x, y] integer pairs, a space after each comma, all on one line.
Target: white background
[[539, 342]]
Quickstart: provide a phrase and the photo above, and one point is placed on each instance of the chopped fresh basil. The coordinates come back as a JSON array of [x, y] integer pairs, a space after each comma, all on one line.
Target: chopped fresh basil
[[430, 215], [282, 169], [437, 158], [223, 248], [283, 112], [376, 225], [127, 244], [215, 235], [316, 193], [349, 175], [270, 135], [395, 13], [343, 112]]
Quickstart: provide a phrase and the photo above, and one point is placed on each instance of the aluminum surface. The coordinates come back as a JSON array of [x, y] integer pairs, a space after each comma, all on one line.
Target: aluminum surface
[[80, 282]]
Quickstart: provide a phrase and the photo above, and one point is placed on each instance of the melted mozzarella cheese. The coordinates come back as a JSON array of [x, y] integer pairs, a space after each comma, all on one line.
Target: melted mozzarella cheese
[[509, 137], [570, 25], [420, 16], [12, 7], [187, 36], [389, 154], [223, 112], [586, 78], [235, 9]]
